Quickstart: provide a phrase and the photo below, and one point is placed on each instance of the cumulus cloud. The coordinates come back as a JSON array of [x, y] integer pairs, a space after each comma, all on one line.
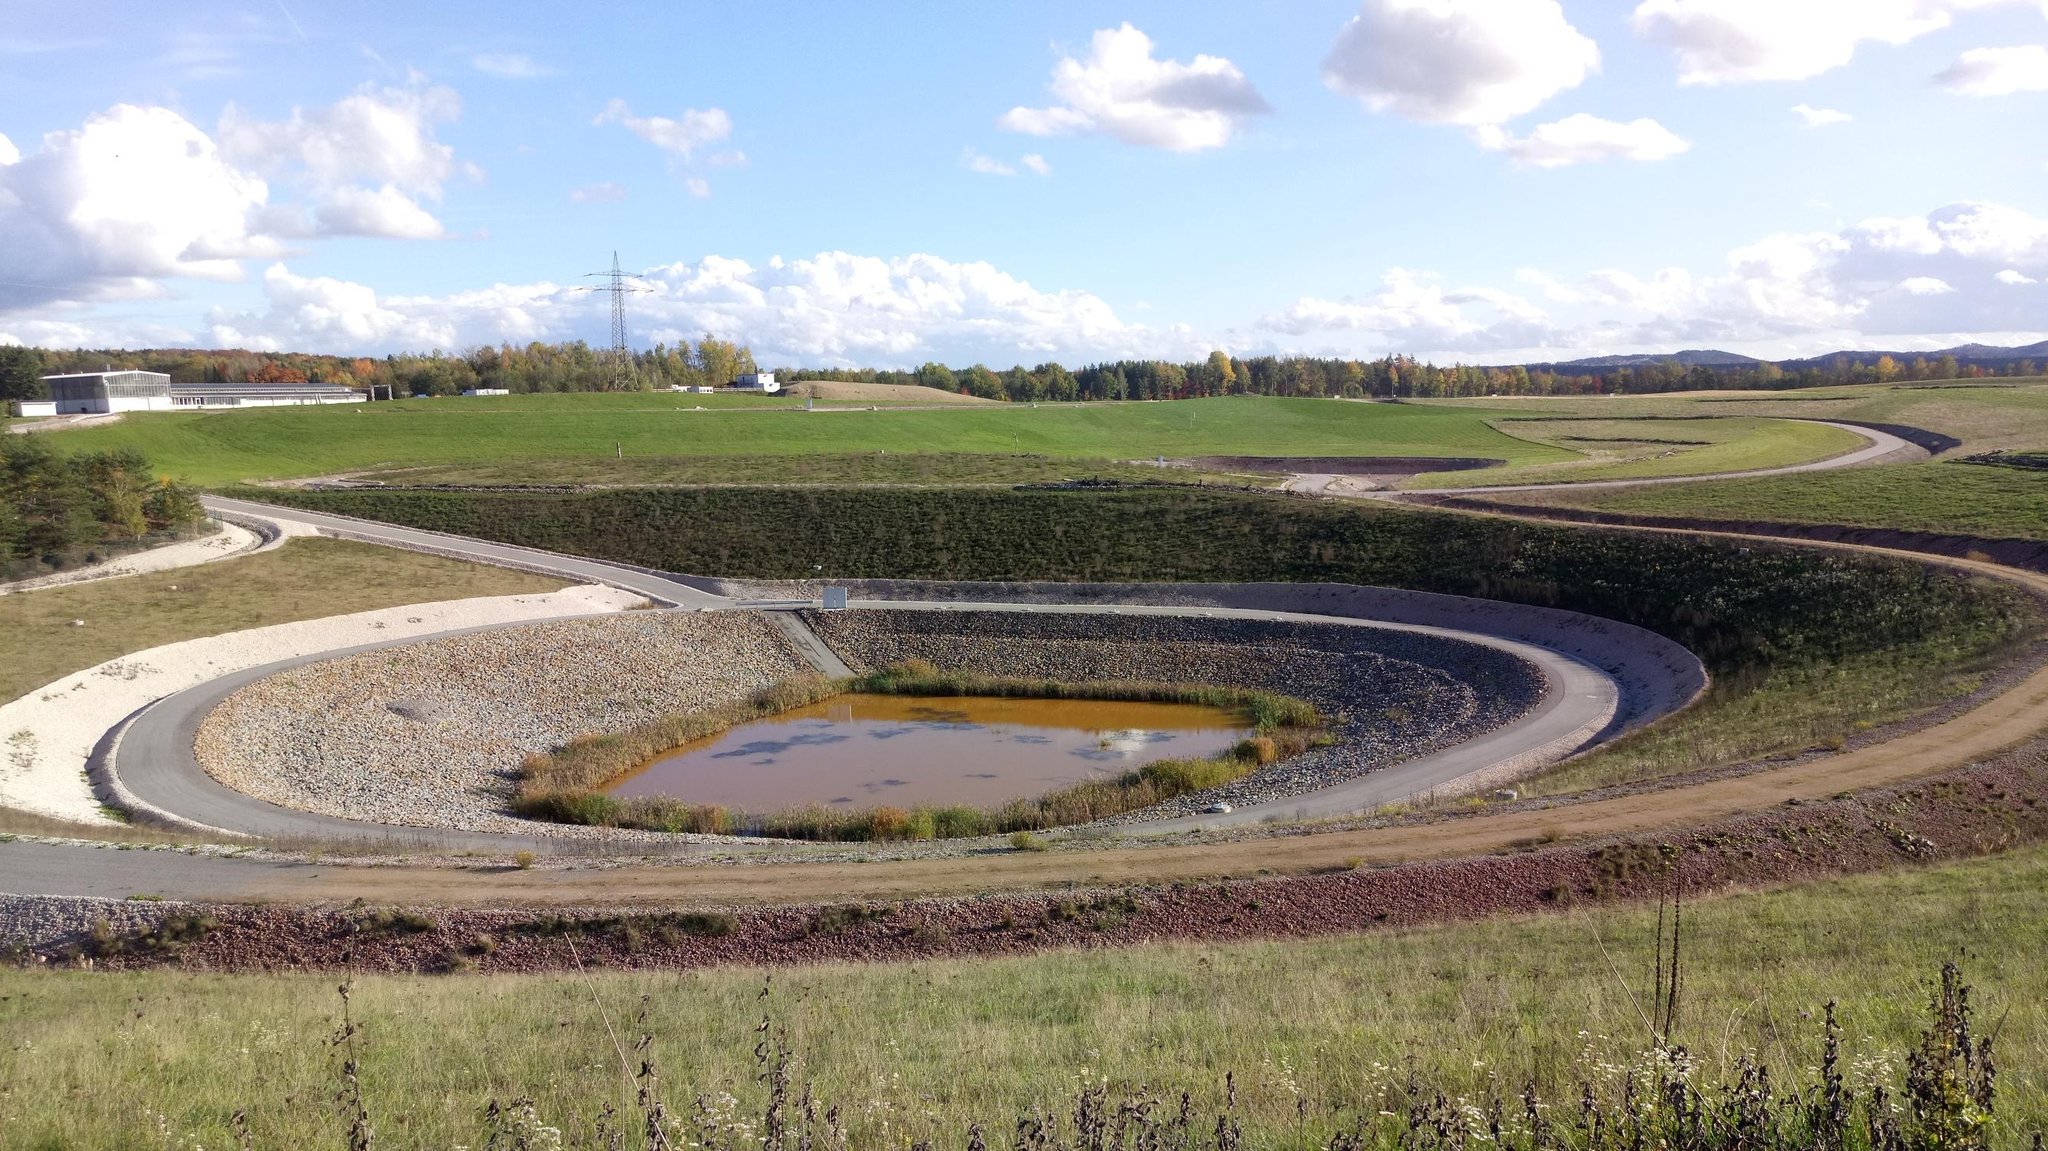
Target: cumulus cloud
[[1962, 271], [1814, 117], [1736, 41], [680, 137], [603, 192], [134, 195], [1581, 139], [1121, 90], [509, 66], [1997, 71], [364, 162], [1471, 62], [974, 161], [320, 313], [1031, 162], [1412, 310], [832, 308], [8, 152]]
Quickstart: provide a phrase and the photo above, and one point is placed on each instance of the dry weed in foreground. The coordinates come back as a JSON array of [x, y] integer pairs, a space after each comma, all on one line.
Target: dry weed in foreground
[[1938, 1096]]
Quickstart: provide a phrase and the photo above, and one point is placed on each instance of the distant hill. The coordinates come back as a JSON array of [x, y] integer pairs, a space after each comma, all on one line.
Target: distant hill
[[1692, 357], [1987, 355]]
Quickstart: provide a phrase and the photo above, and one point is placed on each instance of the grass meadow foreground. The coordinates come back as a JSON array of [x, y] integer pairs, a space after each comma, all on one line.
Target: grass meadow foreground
[[1316, 1036]]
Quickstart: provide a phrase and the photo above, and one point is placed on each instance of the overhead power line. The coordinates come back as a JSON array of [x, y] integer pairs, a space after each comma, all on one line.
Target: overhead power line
[[615, 282]]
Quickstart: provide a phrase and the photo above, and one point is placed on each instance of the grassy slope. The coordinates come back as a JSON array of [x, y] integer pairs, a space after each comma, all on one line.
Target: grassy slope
[[962, 469], [1639, 449], [304, 579], [1938, 497], [1965, 499], [224, 447], [926, 1048]]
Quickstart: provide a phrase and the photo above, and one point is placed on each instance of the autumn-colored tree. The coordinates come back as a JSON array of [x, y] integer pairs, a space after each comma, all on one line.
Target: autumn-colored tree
[[272, 372]]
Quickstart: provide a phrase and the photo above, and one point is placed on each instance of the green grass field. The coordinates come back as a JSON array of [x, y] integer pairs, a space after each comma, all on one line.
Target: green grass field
[[225, 447], [918, 1051], [928, 469], [1961, 499]]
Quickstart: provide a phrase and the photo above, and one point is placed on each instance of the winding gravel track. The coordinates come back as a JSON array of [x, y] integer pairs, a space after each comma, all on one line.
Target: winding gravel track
[[1881, 446]]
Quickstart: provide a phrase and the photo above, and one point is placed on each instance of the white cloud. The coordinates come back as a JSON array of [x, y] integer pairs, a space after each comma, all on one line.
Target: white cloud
[[317, 312], [833, 308], [697, 186], [679, 137], [1736, 41], [1031, 162], [1580, 139], [8, 152], [1970, 270], [134, 195], [1726, 41], [1411, 310], [381, 211], [974, 161], [1471, 62], [509, 66], [1997, 71], [603, 192], [365, 162], [1814, 117], [1122, 91], [1925, 286]]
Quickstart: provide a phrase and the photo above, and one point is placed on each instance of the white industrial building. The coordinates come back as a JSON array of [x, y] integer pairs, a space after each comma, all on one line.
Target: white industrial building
[[92, 393], [757, 382]]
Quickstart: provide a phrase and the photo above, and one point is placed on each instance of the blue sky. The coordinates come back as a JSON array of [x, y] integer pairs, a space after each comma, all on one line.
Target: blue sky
[[882, 184]]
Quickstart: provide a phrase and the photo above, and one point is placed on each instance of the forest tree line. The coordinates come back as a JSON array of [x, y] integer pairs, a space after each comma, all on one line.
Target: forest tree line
[[575, 366]]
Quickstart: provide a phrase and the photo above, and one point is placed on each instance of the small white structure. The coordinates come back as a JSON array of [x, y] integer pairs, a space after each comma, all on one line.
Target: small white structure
[[757, 382], [30, 409], [706, 388], [487, 391], [93, 393]]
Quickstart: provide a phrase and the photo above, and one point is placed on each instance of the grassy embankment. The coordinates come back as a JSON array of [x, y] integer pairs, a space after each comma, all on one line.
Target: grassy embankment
[[1807, 647], [1645, 448], [929, 469], [563, 785], [1941, 496], [919, 1051], [304, 579], [505, 437]]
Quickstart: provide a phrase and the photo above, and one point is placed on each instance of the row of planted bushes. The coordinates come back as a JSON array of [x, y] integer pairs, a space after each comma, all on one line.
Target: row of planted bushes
[[563, 786], [1737, 605]]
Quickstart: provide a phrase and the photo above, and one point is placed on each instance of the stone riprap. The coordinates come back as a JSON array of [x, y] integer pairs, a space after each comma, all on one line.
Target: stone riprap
[[432, 734], [1390, 695]]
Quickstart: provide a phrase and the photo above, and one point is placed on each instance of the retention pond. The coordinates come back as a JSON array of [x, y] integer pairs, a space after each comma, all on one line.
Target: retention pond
[[905, 751]]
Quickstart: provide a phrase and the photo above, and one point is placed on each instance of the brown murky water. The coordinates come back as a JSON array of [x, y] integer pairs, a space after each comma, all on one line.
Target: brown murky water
[[862, 750]]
